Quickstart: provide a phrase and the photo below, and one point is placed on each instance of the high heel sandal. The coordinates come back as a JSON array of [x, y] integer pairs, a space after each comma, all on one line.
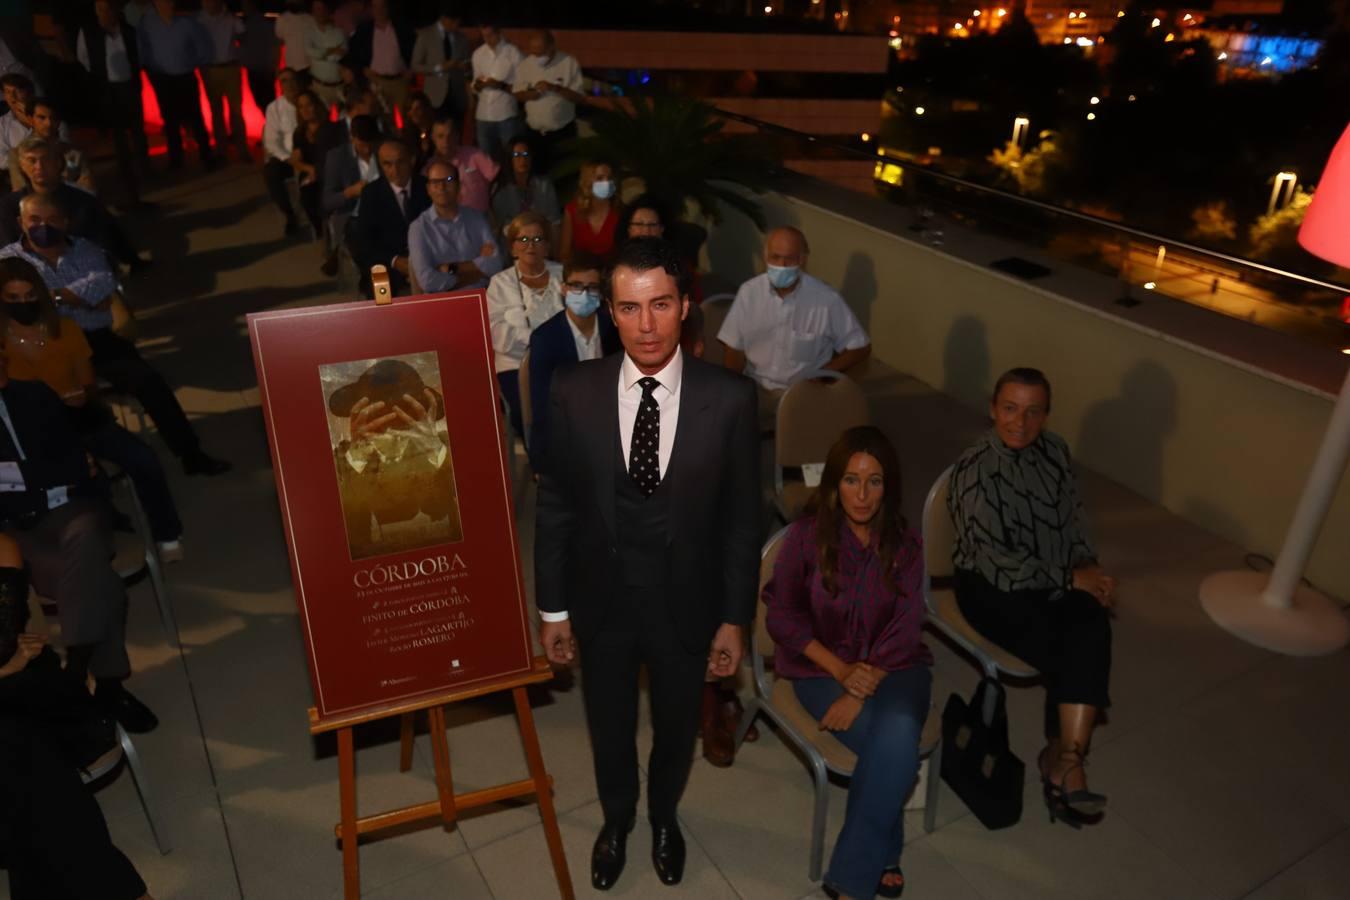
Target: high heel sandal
[[1073, 808]]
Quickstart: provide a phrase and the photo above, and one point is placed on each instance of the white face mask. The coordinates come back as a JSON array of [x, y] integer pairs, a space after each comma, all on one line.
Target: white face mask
[[602, 190]]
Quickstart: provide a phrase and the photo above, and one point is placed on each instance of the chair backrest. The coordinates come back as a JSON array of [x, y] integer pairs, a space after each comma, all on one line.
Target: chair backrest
[[813, 413], [714, 309], [761, 646], [526, 409], [939, 531]]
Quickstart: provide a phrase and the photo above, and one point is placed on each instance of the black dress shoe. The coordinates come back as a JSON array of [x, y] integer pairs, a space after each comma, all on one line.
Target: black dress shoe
[[123, 706], [609, 855], [200, 464], [668, 853]]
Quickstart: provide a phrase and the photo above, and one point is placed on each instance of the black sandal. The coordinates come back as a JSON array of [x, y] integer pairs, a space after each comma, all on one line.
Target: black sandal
[[1073, 808], [891, 891]]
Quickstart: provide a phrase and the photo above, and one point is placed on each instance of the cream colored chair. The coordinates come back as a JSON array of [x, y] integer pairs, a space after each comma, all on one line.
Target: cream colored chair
[[822, 751], [944, 615], [812, 413]]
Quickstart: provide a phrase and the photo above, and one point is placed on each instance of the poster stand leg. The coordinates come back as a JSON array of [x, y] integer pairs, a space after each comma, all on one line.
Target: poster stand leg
[[447, 805]]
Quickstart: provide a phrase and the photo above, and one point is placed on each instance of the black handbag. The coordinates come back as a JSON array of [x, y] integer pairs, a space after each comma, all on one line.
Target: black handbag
[[976, 761]]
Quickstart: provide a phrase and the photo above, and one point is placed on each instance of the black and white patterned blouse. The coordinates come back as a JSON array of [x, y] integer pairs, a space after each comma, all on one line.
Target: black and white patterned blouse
[[1019, 520]]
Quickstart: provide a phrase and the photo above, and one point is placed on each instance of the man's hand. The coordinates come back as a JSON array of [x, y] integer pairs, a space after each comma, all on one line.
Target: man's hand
[[468, 273], [488, 249], [728, 646], [1096, 582], [860, 679], [841, 714], [353, 191], [30, 645], [559, 645], [67, 297], [401, 264]]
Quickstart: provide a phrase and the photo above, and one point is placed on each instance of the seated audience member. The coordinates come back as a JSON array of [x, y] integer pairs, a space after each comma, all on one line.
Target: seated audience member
[[83, 286], [417, 129], [591, 218], [43, 346], [520, 190], [451, 246], [648, 217], [1030, 581], [50, 727], [16, 124], [358, 100], [47, 124], [476, 169], [520, 299], [347, 170], [845, 609], [388, 206], [311, 118], [279, 124], [785, 323], [52, 508], [583, 330], [43, 164]]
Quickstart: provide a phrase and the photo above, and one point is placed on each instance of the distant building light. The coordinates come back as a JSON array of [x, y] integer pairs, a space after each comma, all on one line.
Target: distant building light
[[1346, 350], [1002, 12], [1084, 42], [1170, 37], [1095, 100], [1155, 23], [976, 13], [958, 26], [1091, 117], [1068, 40], [1188, 17], [896, 43], [1120, 14], [1132, 98], [1150, 285], [866, 137], [1266, 61], [768, 10], [1223, 56], [918, 110]]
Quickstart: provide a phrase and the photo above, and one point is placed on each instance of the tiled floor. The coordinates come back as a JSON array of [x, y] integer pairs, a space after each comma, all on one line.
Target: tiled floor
[[1226, 765]]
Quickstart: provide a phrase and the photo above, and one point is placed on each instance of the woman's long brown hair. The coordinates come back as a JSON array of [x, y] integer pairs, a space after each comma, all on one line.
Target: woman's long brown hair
[[16, 268], [888, 526]]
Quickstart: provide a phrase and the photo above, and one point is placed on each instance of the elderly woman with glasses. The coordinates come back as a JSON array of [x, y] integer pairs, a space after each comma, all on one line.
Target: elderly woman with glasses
[[520, 299]]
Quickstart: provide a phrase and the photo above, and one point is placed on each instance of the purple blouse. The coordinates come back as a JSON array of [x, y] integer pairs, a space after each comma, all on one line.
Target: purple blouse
[[865, 621]]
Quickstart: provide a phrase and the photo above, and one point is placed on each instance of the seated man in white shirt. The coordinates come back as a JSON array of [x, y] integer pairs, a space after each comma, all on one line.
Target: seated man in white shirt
[[278, 138], [785, 323]]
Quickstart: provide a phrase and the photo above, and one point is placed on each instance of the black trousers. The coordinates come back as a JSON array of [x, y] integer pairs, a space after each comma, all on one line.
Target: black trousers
[[125, 118], [275, 175], [179, 104], [1068, 638], [262, 84], [639, 632], [109, 441], [117, 360], [547, 146]]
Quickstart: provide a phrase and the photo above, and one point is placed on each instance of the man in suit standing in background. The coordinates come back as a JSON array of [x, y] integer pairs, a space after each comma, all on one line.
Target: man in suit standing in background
[[441, 56], [107, 49], [647, 544], [388, 206]]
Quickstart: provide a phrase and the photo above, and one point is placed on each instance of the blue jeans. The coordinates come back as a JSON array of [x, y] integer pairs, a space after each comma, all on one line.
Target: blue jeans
[[494, 138], [885, 736]]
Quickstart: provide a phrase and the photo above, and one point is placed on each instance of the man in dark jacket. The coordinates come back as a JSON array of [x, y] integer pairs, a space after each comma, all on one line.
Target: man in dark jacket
[[387, 207], [107, 49]]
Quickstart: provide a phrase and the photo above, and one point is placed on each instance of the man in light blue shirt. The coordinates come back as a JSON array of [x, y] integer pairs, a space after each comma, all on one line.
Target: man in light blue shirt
[[451, 246], [171, 49]]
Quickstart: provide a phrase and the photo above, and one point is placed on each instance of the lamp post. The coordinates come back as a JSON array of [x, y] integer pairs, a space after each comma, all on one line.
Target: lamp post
[[1277, 611], [1282, 191], [1021, 127]]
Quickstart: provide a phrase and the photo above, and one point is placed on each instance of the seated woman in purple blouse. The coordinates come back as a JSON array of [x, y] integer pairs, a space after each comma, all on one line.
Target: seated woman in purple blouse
[[845, 606]]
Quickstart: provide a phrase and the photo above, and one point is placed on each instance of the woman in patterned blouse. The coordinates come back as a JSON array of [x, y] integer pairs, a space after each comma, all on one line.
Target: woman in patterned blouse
[[845, 606], [1027, 578]]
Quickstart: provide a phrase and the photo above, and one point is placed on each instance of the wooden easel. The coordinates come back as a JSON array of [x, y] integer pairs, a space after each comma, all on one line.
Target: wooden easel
[[448, 804]]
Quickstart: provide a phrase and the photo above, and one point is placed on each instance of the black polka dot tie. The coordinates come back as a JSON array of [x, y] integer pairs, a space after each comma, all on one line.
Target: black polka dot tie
[[644, 465]]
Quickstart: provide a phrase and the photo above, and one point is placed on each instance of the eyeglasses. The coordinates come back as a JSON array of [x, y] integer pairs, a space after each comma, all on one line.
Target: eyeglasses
[[587, 286], [444, 182], [531, 239], [519, 154], [636, 224]]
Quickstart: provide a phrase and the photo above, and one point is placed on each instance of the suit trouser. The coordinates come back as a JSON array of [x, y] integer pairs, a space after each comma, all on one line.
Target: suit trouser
[[69, 552], [638, 631], [547, 145], [262, 84], [178, 104], [125, 117], [224, 85], [117, 360], [275, 175]]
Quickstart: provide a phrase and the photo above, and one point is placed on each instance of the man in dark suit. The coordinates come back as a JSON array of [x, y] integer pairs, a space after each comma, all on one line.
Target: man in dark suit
[[388, 206], [347, 169], [647, 543], [107, 48], [51, 507], [582, 331]]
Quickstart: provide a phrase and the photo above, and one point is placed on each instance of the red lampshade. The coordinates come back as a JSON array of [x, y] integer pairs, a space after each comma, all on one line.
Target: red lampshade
[[1326, 224]]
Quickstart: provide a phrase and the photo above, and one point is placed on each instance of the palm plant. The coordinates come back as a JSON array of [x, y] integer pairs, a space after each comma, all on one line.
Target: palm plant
[[676, 145]]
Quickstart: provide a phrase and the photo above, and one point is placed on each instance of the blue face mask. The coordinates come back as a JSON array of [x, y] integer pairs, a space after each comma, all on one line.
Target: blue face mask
[[784, 276], [602, 190], [582, 303]]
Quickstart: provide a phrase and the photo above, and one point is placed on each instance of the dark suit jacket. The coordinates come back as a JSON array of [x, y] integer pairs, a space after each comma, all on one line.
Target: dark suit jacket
[[381, 231], [53, 454], [360, 48], [714, 535], [88, 217], [95, 41], [340, 169], [551, 348]]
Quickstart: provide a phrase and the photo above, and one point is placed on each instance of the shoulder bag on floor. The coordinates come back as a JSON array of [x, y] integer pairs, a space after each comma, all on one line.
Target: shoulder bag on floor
[[976, 760]]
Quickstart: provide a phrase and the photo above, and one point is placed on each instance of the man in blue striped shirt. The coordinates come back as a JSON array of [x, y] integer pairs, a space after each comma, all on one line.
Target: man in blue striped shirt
[[77, 273], [171, 49]]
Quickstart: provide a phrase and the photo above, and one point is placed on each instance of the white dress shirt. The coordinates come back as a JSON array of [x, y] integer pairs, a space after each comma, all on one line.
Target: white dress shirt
[[114, 52], [279, 129], [587, 347], [317, 46], [552, 110], [496, 104], [667, 396], [785, 337]]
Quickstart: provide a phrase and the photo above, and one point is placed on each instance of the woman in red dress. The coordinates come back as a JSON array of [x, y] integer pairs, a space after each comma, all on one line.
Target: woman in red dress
[[591, 219]]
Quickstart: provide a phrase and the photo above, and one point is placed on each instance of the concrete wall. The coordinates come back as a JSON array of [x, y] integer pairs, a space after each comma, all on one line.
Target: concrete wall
[[1218, 444]]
